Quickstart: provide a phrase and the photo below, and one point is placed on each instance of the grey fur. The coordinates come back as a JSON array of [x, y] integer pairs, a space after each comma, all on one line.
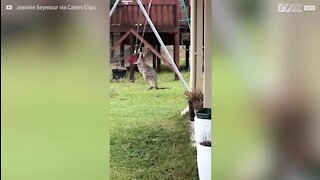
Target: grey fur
[[148, 73]]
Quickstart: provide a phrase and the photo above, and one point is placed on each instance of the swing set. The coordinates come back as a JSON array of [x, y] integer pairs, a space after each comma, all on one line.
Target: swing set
[[169, 60]]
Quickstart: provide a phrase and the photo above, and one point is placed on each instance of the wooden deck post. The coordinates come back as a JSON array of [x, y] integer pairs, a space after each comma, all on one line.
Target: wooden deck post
[[187, 56], [131, 67], [158, 59], [121, 51], [154, 59], [131, 44], [112, 43]]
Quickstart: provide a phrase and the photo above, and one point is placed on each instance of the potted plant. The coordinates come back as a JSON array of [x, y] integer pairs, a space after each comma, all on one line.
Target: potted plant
[[195, 101], [202, 125], [204, 159]]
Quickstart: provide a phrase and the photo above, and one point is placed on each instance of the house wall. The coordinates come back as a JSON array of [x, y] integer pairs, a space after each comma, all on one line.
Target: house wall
[[207, 54], [201, 52]]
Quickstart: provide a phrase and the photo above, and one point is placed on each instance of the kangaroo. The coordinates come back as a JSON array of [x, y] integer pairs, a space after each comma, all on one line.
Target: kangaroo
[[148, 73]]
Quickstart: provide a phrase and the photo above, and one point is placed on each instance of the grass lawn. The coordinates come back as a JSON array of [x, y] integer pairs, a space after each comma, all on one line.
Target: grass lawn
[[148, 138]]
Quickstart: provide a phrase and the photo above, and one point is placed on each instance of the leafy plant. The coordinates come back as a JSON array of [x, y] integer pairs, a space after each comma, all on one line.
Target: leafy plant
[[195, 97], [206, 140]]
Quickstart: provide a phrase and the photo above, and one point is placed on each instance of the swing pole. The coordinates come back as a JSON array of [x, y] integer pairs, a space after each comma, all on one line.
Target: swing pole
[[163, 46], [114, 7]]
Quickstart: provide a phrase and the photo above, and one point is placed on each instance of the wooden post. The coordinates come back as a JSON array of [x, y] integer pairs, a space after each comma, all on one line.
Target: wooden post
[[187, 56], [121, 51], [154, 59], [158, 59], [131, 44], [131, 67], [112, 43]]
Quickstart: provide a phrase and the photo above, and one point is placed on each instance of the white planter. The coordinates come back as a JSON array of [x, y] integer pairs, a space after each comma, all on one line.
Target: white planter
[[204, 162], [202, 129]]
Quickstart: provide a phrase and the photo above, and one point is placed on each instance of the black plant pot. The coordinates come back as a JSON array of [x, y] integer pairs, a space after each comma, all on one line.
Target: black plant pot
[[204, 113], [191, 112], [118, 73]]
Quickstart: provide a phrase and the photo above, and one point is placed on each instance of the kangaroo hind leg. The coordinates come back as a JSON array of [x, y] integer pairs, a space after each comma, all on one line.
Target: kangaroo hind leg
[[151, 84]]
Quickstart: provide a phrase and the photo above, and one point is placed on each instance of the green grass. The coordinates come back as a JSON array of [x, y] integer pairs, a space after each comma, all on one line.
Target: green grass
[[148, 138]]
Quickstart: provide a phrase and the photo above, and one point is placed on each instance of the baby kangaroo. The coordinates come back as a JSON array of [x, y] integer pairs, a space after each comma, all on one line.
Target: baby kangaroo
[[148, 73]]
